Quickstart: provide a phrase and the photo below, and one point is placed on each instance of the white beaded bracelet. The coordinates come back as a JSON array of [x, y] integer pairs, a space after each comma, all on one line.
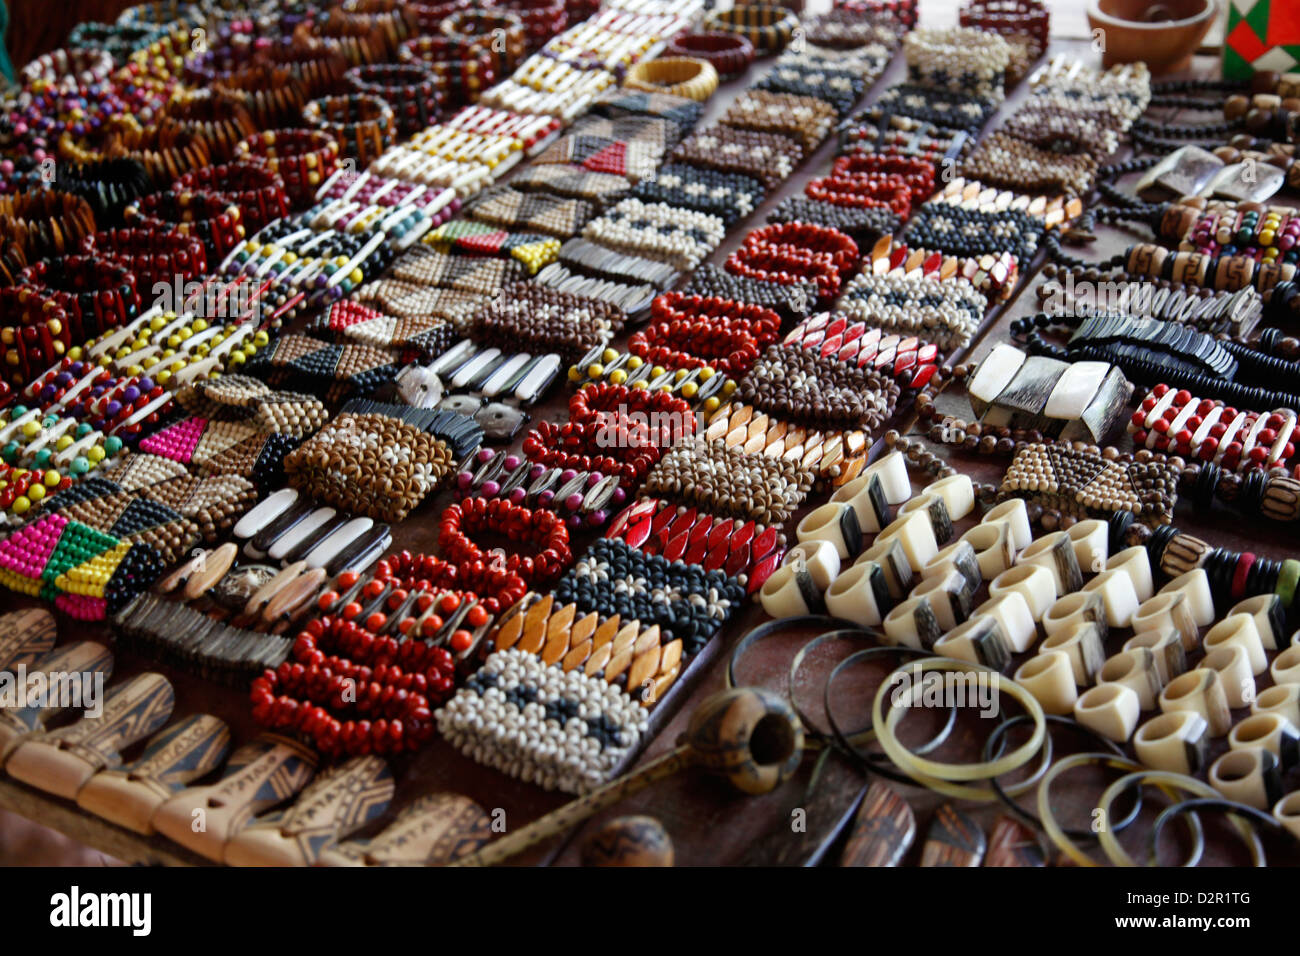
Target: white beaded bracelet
[[1112, 710], [1049, 677], [1177, 742], [1013, 615]]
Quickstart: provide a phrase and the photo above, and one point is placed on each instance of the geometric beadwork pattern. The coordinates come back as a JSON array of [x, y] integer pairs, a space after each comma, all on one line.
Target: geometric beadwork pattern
[[1090, 486], [1261, 35]]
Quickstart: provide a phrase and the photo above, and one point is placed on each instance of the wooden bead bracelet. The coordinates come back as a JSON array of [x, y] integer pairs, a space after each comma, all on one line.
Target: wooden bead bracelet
[[218, 225], [768, 157], [841, 88], [692, 331], [95, 293], [797, 298], [545, 530], [255, 190], [864, 225], [726, 481], [302, 158], [272, 95], [45, 223], [363, 125], [786, 265], [538, 319], [767, 26], [680, 238], [693, 79], [729, 53], [818, 391], [501, 35], [408, 88]]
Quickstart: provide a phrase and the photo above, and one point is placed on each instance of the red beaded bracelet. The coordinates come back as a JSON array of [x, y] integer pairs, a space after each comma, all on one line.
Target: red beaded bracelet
[[500, 35], [493, 588], [544, 529], [690, 331], [302, 158], [258, 192], [917, 174], [409, 88], [542, 19], [461, 70], [801, 235], [96, 293], [363, 125], [219, 226], [730, 53], [786, 266], [863, 193], [154, 257], [39, 336]]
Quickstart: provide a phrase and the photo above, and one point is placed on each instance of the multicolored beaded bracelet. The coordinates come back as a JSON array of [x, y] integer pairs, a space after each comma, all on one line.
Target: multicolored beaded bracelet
[[408, 88], [767, 26], [363, 125]]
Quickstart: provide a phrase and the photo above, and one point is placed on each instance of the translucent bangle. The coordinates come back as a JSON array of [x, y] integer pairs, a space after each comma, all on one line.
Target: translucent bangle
[[993, 546], [1196, 585], [1200, 691], [1239, 630], [1111, 710], [1082, 644], [1049, 676], [1055, 553], [1136, 670], [1232, 663], [1137, 565], [1033, 582], [1116, 590], [1178, 742], [1053, 829], [1012, 613], [1014, 512]]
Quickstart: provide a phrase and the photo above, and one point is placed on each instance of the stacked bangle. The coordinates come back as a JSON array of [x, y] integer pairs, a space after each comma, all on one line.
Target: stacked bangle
[[363, 125], [675, 75], [729, 53], [767, 26], [408, 88], [318, 68], [302, 158], [255, 190]]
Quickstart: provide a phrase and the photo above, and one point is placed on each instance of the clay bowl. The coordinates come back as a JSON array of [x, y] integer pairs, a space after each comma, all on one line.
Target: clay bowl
[[1162, 33]]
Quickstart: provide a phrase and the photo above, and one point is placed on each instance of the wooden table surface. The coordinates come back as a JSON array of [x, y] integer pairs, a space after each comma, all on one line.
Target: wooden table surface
[[709, 822]]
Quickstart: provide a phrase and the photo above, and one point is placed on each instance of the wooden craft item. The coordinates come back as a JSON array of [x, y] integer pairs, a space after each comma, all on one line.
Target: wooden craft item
[[25, 636], [883, 829], [748, 735], [1013, 844], [337, 803], [61, 761], [953, 839], [260, 775], [17, 723], [129, 796], [629, 841], [436, 829]]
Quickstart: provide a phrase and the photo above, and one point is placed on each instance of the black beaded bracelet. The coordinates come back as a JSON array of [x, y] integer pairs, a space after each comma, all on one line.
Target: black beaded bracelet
[[972, 233], [729, 196], [941, 107], [790, 301], [864, 225]]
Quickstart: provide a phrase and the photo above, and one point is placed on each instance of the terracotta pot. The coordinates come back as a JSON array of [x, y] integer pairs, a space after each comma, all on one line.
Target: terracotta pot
[[1162, 33]]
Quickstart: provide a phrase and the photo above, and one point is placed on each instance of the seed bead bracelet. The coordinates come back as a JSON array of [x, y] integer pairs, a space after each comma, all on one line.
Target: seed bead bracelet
[[565, 750], [489, 589], [109, 185], [507, 208], [727, 481], [729, 53], [303, 159], [795, 299], [973, 233], [45, 223], [685, 601], [818, 391], [1003, 160], [802, 118], [683, 76], [545, 530], [768, 157], [681, 238], [841, 88], [408, 88], [690, 332], [916, 174], [957, 58], [529, 316], [363, 125], [766, 26], [839, 248]]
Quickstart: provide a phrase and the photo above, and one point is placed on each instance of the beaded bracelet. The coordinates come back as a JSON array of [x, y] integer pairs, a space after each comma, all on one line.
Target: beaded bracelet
[[461, 71], [614, 103], [742, 549], [911, 361], [796, 299], [218, 225], [411, 300], [467, 273], [659, 592], [508, 208], [361, 38], [424, 336], [363, 125], [657, 231], [813, 390], [768, 157], [690, 331], [936, 58], [865, 225], [501, 35], [947, 313], [767, 26], [702, 388], [544, 754], [839, 88], [542, 19], [601, 189], [729, 53], [786, 265], [675, 75], [873, 131], [534, 250], [729, 196], [302, 158], [95, 294], [1003, 160], [862, 192], [537, 319], [408, 88], [952, 109], [310, 364], [841, 30], [973, 233], [902, 12], [726, 481], [802, 118], [45, 223], [272, 95], [369, 464], [218, 124], [255, 190]]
